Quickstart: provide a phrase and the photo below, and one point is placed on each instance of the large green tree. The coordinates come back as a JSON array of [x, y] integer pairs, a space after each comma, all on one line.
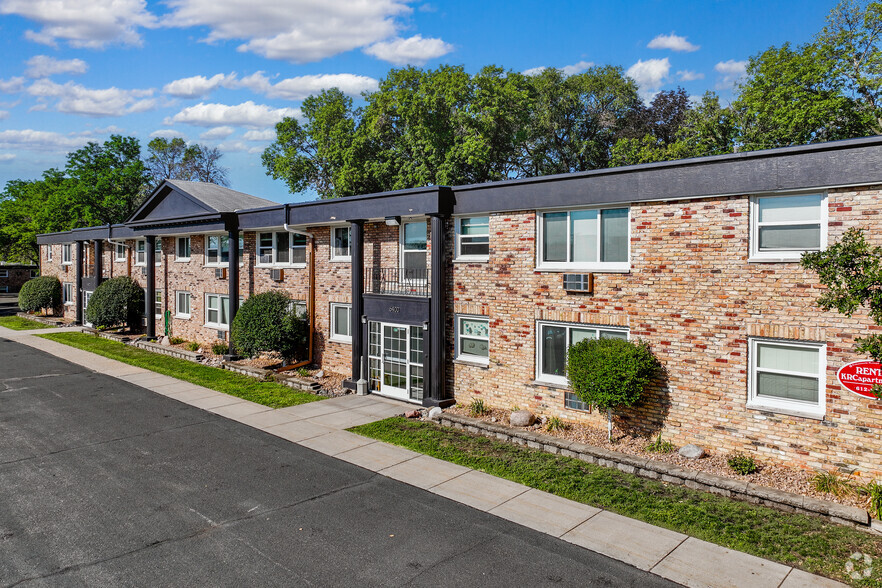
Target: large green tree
[[174, 159], [28, 208]]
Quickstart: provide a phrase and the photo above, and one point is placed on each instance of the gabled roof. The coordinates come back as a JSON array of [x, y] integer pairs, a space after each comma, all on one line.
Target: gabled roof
[[176, 199]]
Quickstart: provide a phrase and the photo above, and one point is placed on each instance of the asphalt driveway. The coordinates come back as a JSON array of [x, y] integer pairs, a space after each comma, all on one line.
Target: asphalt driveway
[[103, 483]]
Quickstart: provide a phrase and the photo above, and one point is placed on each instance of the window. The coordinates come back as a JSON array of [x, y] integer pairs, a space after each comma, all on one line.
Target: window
[[120, 252], [157, 299], [157, 250], [140, 252], [588, 240], [554, 341], [66, 257], [299, 307], [788, 376], [414, 243], [4, 273], [48, 252], [473, 339], [473, 238], [183, 251], [340, 247], [341, 327], [298, 248], [217, 311], [68, 294], [281, 248], [782, 227], [182, 305], [217, 249]]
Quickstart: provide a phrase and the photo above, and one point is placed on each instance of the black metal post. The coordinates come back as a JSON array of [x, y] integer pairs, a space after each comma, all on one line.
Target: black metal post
[[150, 295], [437, 324], [99, 261], [232, 224], [356, 243], [79, 273]]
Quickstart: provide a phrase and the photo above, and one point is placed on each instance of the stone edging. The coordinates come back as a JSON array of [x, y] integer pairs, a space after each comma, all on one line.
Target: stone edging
[[54, 322], [658, 470], [167, 350], [262, 374]]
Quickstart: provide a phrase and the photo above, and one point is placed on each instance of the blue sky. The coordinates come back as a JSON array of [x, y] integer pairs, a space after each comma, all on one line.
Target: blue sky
[[222, 72]]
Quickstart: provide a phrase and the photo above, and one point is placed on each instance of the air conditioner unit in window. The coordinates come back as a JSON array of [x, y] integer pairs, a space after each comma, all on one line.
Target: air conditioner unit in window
[[267, 258], [579, 283], [143, 271], [277, 275], [220, 273]]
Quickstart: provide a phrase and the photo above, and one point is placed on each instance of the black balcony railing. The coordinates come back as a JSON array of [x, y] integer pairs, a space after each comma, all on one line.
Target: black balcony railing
[[397, 281]]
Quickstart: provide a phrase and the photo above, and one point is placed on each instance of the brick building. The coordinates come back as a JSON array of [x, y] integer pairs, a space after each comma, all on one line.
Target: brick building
[[13, 275], [443, 294]]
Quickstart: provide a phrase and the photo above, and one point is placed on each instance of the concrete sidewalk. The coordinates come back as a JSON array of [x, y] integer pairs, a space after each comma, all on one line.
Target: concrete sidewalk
[[321, 426]]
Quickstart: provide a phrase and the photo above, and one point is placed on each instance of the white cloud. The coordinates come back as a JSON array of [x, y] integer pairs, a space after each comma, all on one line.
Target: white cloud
[[300, 87], [4, 114], [672, 42], [12, 85], [247, 114], [83, 23], [217, 133], [650, 74], [6, 157], [264, 135], [167, 134], [413, 50], [689, 75], [32, 140], [534, 71], [43, 66], [567, 70], [731, 72], [76, 99], [299, 31], [198, 86]]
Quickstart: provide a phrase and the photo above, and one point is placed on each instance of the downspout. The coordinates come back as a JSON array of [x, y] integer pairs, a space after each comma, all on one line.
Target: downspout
[[311, 298]]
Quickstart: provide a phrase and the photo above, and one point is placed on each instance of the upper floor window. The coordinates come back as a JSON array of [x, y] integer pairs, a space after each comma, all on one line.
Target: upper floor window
[[282, 248], [48, 252], [554, 341], [66, 257], [120, 252], [217, 249], [414, 244], [588, 240], [141, 251], [340, 244], [4, 273], [182, 253], [783, 227], [788, 376], [473, 238]]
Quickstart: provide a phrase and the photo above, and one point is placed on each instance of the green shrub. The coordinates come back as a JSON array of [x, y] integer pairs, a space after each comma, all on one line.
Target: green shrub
[[193, 346], [555, 424], [116, 301], [220, 348], [832, 483], [303, 372], [40, 293], [268, 322], [874, 491], [610, 373], [660, 446], [742, 464], [175, 340], [478, 408]]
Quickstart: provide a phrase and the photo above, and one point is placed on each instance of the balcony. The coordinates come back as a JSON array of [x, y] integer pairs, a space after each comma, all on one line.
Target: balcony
[[397, 281]]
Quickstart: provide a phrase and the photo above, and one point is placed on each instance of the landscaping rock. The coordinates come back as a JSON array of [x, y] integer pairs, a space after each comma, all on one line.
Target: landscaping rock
[[319, 374], [691, 451], [412, 414], [435, 412], [522, 418], [164, 341]]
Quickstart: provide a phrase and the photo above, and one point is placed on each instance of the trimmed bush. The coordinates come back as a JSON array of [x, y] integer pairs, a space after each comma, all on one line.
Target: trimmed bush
[[40, 293], [115, 302], [267, 322], [610, 373]]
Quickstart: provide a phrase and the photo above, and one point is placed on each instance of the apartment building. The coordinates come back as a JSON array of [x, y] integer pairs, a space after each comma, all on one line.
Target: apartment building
[[14, 275]]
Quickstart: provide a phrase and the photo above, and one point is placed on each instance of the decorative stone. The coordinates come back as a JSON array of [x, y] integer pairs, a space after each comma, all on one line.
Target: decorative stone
[[522, 418], [435, 412], [691, 451], [164, 341], [319, 374], [412, 414]]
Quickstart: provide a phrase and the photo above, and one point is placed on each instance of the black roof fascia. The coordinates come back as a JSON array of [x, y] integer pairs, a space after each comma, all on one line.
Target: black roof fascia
[[178, 220], [839, 163], [87, 234]]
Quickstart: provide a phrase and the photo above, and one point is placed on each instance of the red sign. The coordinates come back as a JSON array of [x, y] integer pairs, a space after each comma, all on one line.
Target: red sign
[[859, 377]]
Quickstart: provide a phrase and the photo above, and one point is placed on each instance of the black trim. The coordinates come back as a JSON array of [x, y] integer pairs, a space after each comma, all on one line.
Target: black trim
[[437, 321], [150, 295], [356, 244]]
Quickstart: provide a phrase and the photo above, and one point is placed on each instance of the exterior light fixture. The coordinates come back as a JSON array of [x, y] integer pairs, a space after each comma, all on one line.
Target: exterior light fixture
[[393, 221]]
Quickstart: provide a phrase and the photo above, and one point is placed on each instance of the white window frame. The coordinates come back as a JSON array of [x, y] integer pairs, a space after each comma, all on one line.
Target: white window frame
[[48, 252], [458, 236], [783, 254], [596, 266], [220, 256], [814, 410], [275, 250], [338, 338], [66, 254], [68, 299], [119, 247], [4, 273], [178, 257], [178, 313], [141, 253], [334, 256], [562, 380], [220, 297], [402, 252], [467, 357]]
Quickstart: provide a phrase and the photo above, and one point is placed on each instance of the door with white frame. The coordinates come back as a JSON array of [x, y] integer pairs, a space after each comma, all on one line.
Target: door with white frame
[[86, 295], [395, 355]]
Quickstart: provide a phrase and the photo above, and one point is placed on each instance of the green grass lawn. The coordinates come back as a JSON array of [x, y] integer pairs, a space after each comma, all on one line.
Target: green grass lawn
[[21, 324], [269, 394], [803, 541]]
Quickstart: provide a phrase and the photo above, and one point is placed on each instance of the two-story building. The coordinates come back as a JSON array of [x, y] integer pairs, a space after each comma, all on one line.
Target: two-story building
[[444, 294]]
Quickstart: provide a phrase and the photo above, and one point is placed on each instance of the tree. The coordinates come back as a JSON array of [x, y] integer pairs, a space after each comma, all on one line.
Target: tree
[[28, 208], [851, 269], [175, 160]]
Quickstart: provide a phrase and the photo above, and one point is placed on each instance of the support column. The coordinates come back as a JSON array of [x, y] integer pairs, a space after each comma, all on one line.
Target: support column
[[356, 243], [437, 320], [99, 261], [80, 250], [150, 295], [232, 223]]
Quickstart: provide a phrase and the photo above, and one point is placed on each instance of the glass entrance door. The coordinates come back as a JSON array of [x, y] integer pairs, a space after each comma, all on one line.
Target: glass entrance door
[[86, 295], [395, 354]]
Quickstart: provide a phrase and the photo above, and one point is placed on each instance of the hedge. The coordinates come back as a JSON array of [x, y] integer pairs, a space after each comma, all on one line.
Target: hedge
[[268, 322], [40, 293], [115, 302]]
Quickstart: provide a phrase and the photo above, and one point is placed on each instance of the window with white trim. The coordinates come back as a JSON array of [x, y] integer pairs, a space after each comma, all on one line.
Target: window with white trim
[[280, 249], [217, 249], [341, 323], [182, 305], [341, 244], [473, 238], [157, 300], [554, 339], [182, 253], [119, 252], [783, 227], [217, 311], [140, 252], [4, 273], [584, 240], [48, 252], [473, 339], [788, 376], [157, 250], [66, 256], [414, 247], [68, 294]]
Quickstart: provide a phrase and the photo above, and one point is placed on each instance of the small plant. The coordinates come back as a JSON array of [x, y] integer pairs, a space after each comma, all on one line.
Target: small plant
[[555, 424], [660, 445], [515, 408], [874, 491], [303, 372], [193, 346], [175, 340], [220, 348], [478, 408], [742, 464], [832, 483]]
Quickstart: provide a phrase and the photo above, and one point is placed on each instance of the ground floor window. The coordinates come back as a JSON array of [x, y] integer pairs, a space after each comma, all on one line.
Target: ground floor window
[[182, 305], [473, 338], [68, 294], [788, 376], [553, 341], [572, 400], [217, 311], [341, 327]]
